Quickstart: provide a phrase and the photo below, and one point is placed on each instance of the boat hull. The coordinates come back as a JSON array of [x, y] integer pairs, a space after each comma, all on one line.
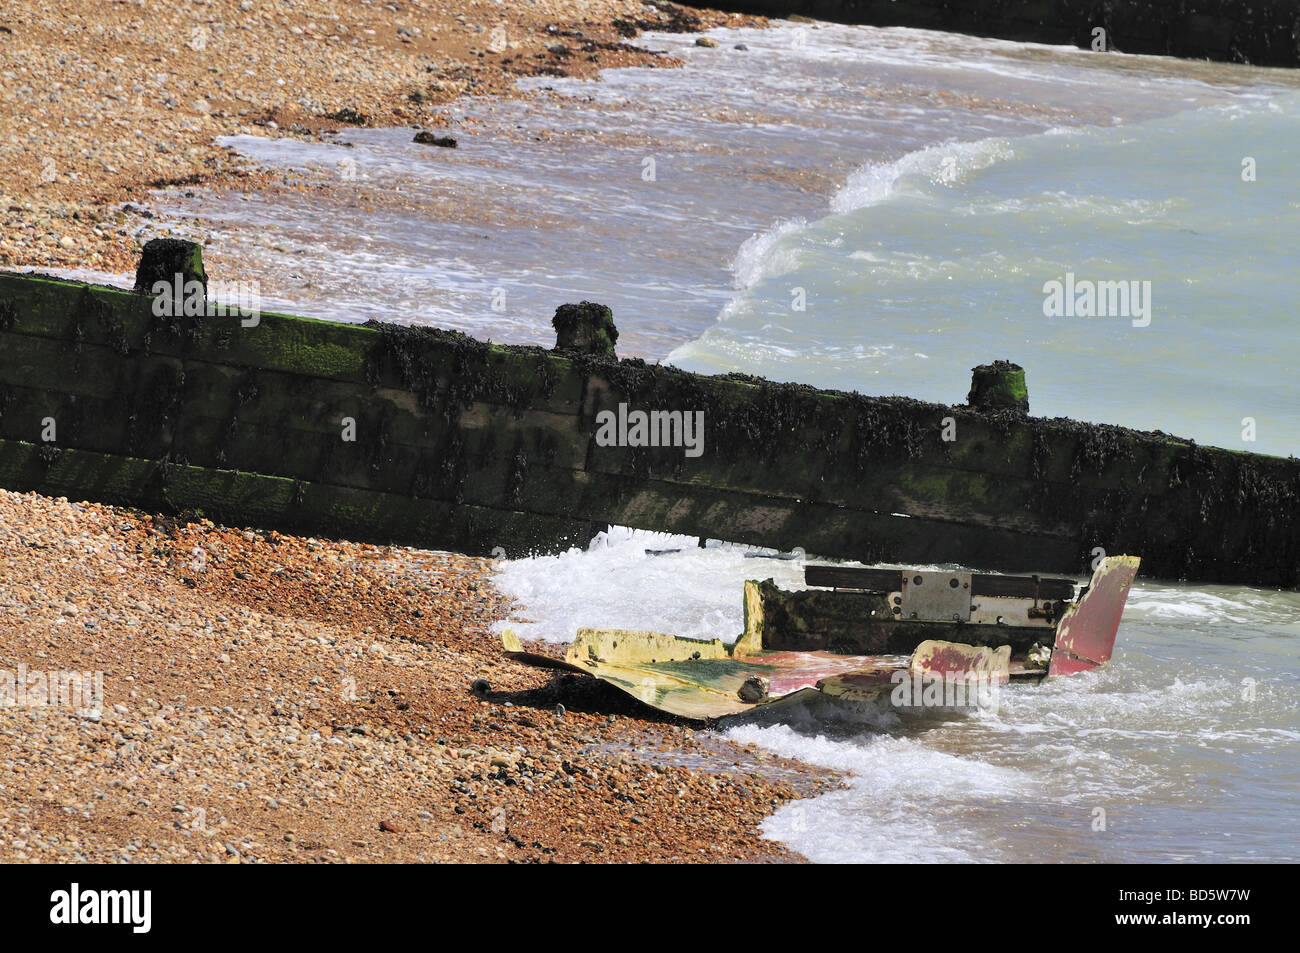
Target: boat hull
[[709, 680]]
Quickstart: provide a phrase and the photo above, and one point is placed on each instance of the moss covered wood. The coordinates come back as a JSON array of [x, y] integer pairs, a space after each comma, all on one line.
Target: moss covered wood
[[441, 418]]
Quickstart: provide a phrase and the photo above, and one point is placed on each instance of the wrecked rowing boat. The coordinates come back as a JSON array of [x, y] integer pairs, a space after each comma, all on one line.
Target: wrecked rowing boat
[[858, 634]]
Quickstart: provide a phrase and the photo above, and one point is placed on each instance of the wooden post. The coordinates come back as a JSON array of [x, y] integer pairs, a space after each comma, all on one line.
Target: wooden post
[[164, 258], [998, 386], [585, 328]]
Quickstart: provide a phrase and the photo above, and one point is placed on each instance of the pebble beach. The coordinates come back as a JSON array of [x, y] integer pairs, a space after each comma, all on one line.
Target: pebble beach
[[104, 101], [278, 699]]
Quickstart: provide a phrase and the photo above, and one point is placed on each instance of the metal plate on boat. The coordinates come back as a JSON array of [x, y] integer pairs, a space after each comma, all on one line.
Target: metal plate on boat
[[936, 596]]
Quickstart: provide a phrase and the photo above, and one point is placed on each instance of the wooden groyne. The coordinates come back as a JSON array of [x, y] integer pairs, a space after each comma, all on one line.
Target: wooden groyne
[[1261, 32], [432, 438]]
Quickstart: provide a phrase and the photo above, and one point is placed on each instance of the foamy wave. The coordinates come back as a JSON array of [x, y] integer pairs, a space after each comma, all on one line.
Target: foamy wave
[[761, 255], [770, 254], [1204, 604], [616, 582], [887, 813], [946, 165]]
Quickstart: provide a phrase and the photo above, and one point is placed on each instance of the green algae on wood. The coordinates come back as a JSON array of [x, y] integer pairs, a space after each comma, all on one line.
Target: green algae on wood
[[465, 431], [998, 386], [585, 328]]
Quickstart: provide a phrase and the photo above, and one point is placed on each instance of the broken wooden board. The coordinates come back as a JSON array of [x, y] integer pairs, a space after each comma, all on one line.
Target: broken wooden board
[[973, 667], [667, 677], [867, 622], [876, 611], [952, 660]]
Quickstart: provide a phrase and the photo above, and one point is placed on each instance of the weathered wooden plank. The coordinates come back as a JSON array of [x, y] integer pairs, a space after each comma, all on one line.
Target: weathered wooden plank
[[985, 584], [850, 577], [250, 499]]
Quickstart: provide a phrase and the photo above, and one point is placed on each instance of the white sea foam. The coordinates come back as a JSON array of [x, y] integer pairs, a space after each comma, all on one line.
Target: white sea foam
[[902, 804], [946, 165], [616, 583], [761, 257]]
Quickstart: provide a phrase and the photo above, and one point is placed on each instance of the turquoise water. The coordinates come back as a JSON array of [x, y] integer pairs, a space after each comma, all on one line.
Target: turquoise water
[[938, 260]]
